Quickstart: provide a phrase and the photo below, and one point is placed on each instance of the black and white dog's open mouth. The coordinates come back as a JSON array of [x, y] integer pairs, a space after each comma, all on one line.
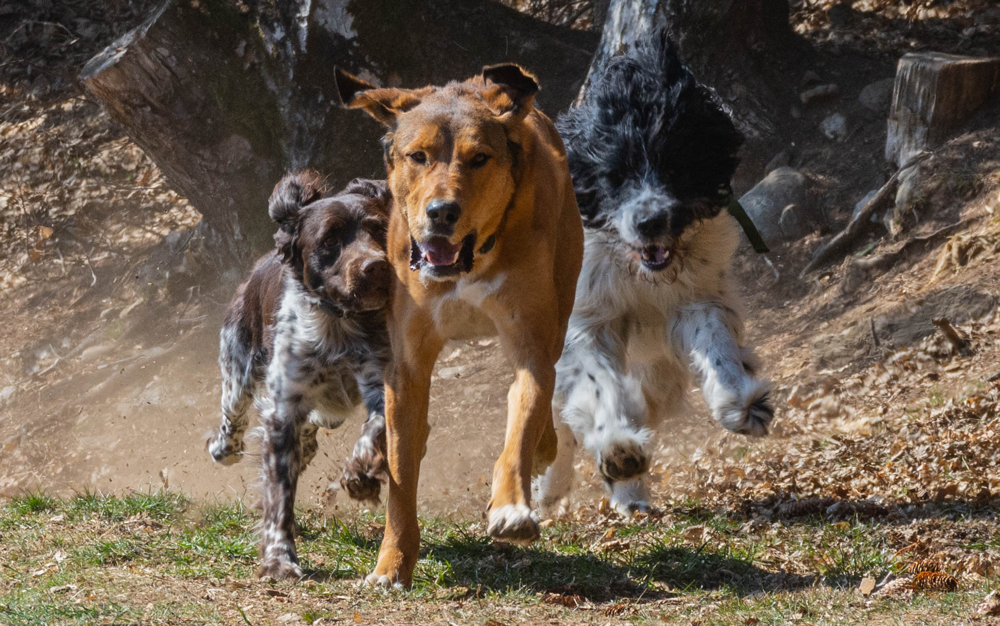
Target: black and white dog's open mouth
[[439, 259], [655, 258]]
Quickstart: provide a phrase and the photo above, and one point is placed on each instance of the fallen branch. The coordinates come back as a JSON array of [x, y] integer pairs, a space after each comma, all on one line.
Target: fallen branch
[[959, 344], [860, 222], [888, 258]]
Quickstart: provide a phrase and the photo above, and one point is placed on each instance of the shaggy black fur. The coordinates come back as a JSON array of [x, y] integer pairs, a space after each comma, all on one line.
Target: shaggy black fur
[[646, 121]]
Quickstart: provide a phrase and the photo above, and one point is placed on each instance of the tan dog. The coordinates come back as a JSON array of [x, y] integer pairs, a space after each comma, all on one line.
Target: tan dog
[[484, 237]]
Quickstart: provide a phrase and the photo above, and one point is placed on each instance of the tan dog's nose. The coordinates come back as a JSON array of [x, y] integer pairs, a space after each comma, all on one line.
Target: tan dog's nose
[[443, 214]]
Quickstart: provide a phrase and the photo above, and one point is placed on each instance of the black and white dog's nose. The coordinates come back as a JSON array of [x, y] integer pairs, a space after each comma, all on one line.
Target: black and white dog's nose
[[652, 226]]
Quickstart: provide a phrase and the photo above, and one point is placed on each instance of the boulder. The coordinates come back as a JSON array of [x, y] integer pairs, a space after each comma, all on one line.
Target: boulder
[[769, 200], [834, 127], [877, 97]]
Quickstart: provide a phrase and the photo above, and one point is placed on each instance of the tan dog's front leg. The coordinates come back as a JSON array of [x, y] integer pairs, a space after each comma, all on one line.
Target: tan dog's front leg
[[530, 444], [407, 392]]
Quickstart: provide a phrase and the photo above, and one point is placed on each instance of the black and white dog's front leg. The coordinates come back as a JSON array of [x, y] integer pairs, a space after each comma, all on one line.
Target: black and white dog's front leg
[[604, 406], [708, 335], [367, 468]]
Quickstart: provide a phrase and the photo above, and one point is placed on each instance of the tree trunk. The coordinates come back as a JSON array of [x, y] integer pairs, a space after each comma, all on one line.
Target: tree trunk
[[225, 95], [741, 48]]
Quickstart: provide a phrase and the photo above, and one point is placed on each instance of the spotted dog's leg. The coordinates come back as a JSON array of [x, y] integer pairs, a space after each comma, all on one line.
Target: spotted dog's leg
[[604, 403], [708, 335], [367, 468], [308, 444], [283, 455], [240, 377]]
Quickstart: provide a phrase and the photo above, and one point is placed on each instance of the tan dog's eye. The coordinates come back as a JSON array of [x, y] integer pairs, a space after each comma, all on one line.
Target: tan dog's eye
[[479, 160], [418, 157]]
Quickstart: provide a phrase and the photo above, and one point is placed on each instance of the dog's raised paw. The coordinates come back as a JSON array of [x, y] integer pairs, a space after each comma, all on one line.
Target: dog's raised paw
[[363, 477], [224, 451], [623, 460], [513, 523], [752, 420]]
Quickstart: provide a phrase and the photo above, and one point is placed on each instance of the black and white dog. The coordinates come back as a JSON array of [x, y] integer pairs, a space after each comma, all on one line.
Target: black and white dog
[[651, 153], [311, 322]]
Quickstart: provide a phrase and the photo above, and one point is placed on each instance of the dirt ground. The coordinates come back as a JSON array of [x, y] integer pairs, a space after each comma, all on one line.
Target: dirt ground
[[108, 379]]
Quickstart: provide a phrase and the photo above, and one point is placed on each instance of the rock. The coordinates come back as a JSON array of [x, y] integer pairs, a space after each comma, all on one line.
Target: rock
[[767, 201], [95, 353], [834, 127], [173, 240], [841, 15], [877, 97], [989, 17], [793, 224], [933, 95], [810, 78], [782, 159], [821, 92], [7, 395], [861, 204]]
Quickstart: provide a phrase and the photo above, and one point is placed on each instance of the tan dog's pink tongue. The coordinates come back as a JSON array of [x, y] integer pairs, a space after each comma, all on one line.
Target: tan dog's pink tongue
[[440, 252]]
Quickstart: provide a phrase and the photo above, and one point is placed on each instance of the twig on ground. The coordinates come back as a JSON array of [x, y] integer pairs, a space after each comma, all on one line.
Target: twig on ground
[[888, 258], [958, 343], [860, 222]]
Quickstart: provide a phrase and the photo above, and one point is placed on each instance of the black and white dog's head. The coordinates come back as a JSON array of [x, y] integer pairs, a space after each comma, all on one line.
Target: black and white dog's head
[[651, 152]]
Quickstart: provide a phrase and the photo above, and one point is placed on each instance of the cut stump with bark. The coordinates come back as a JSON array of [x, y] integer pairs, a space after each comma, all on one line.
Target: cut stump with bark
[[934, 93]]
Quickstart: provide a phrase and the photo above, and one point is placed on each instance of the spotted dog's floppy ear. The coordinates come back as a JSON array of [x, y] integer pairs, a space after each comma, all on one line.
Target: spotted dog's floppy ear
[[293, 192], [511, 90], [385, 105]]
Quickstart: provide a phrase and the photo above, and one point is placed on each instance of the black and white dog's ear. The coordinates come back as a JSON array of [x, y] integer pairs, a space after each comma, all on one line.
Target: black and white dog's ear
[[290, 195]]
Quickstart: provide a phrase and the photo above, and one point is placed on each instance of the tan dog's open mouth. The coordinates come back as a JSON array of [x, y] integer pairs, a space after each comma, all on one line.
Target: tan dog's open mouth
[[439, 259]]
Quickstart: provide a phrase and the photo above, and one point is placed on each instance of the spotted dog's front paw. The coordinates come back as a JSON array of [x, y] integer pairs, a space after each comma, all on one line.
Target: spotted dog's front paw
[[364, 475], [751, 420], [623, 460], [513, 523], [280, 569], [225, 450]]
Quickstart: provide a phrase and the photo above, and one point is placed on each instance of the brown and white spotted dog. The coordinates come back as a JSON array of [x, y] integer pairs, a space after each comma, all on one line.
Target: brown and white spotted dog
[[311, 322], [484, 237]]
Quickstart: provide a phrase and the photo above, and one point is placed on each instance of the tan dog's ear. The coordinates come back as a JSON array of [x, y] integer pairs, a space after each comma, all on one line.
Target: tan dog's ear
[[510, 90], [385, 105]]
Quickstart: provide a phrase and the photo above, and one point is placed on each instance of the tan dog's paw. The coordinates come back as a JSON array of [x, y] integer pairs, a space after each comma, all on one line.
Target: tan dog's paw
[[381, 581], [623, 460], [513, 523]]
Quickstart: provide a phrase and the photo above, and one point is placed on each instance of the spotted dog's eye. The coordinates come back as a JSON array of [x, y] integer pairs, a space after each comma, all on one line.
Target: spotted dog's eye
[[331, 243], [479, 160], [418, 157]]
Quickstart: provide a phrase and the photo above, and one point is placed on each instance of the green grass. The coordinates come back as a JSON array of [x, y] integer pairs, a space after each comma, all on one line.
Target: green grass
[[159, 558]]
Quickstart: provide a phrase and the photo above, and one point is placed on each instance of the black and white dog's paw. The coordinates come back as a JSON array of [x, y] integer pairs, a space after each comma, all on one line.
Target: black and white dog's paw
[[750, 419], [623, 460]]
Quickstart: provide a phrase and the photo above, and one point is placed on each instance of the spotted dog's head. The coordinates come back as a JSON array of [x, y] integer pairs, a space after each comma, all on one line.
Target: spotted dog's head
[[334, 246], [651, 153], [452, 156]]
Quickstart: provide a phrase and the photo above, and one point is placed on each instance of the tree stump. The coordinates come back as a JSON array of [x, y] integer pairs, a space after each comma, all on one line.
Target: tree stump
[[934, 93], [226, 95]]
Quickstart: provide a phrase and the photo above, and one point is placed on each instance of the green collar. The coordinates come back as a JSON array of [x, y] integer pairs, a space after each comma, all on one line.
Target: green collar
[[736, 210]]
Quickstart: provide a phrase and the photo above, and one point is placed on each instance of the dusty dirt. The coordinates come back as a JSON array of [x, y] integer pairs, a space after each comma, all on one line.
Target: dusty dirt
[[108, 378]]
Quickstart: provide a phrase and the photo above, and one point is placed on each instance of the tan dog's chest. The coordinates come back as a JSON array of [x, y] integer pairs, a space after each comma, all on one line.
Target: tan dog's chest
[[459, 314]]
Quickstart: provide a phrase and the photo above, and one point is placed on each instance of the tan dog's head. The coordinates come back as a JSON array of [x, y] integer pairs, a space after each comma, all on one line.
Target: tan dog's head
[[452, 157]]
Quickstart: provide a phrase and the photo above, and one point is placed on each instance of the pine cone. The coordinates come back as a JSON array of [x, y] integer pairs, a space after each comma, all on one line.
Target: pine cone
[[900, 587], [923, 565], [808, 506], [935, 581]]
